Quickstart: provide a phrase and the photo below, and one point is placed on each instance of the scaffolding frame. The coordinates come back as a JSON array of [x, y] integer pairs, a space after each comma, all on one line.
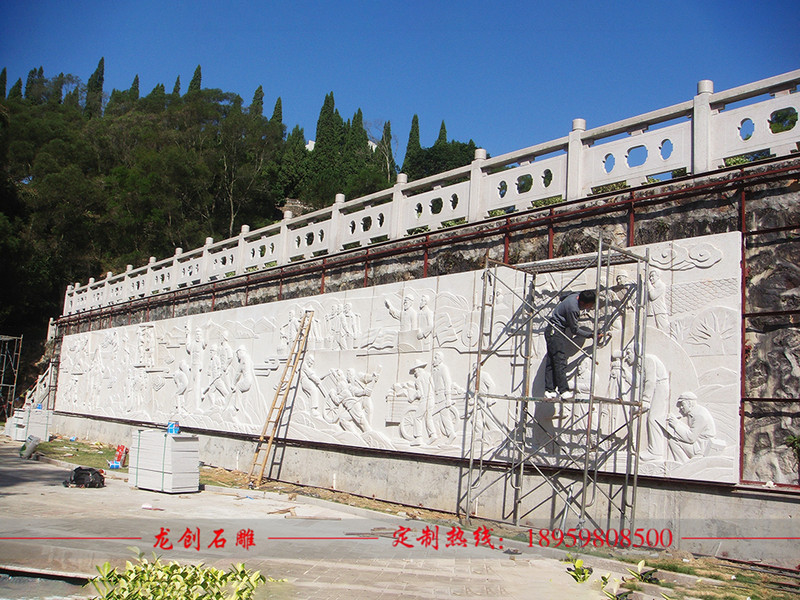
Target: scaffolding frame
[[593, 445], [10, 350]]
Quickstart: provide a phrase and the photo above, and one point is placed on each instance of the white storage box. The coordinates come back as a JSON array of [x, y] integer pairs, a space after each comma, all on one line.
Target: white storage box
[[164, 462]]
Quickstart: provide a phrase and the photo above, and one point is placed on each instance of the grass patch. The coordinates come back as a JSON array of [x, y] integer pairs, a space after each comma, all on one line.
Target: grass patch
[[79, 452]]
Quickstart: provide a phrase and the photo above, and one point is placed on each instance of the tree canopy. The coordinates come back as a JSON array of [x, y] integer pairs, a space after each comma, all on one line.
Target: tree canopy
[[91, 181]]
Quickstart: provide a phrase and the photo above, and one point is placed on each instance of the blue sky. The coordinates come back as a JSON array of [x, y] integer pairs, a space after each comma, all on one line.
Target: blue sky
[[507, 75]]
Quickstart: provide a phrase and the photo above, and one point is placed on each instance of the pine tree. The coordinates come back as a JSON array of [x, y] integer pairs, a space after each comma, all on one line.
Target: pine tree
[[176, 89], [442, 139], [35, 91], [134, 91], [94, 91], [384, 154], [15, 93], [277, 112], [413, 147], [3, 84], [325, 177], [195, 83], [257, 106]]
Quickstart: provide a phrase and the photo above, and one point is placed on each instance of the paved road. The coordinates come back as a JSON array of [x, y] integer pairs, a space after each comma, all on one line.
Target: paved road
[[324, 550]]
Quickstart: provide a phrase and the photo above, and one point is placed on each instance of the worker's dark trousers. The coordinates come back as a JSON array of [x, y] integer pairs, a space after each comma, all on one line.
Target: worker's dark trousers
[[555, 372]]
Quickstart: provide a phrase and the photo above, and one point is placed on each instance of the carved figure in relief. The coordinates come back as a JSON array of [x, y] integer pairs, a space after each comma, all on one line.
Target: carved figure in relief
[[218, 391], [655, 398], [445, 414], [345, 407], [146, 346], [425, 319], [351, 326], [311, 384], [487, 386], [335, 326], [422, 400], [181, 379], [195, 346], [244, 378], [691, 433], [657, 296], [361, 388], [289, 330], [406, 314]]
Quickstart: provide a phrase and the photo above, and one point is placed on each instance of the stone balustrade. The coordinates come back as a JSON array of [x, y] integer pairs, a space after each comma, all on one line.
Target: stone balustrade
[[696, 136]]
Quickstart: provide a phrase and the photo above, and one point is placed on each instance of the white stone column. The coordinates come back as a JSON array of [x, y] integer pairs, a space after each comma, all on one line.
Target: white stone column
[[476, 205], [337, 233], [241, 250], [397, 227], [701, 127], [127, 285], [284, 239], [204, 260], [68, 295], [575, 160], [176, 269], [149, 281]]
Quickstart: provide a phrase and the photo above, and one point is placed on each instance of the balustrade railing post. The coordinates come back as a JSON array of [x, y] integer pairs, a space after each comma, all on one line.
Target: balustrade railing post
[[575, 160], [107, 289], [284, 241], [176, 268], [701, 127], [337, 224], [149, 281], [127, 286], [476, 207], [204, 261], [90, 293], [241, 250], [68, 296], [397, 227]]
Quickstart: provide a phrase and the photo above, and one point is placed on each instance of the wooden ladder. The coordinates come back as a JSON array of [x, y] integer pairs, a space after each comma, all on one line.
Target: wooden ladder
[[270, 429]]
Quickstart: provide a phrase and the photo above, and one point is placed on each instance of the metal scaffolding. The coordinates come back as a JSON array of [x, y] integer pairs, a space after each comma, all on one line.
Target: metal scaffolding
[[595, 447], [10, 349]]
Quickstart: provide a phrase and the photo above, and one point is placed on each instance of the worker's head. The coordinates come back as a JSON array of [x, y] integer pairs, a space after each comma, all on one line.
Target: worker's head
[[686, 402], [586, 299]]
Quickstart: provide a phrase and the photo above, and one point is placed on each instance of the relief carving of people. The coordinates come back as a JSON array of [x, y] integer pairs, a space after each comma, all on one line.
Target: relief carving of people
[[445, 414], [657, 305], [655, 398], [691, 433]]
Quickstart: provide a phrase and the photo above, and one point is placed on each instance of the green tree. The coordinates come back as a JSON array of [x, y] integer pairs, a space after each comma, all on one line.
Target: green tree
[[94, 92], [15, 93], [195, 83], [134, 91], [325, 178], [413, 147], [384, 155], [442, 139], [3, 84], [277, 112], [257, 105], [294, 165]]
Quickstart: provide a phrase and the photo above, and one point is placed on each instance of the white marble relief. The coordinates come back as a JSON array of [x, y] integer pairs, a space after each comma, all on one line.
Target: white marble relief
[[393, 366]]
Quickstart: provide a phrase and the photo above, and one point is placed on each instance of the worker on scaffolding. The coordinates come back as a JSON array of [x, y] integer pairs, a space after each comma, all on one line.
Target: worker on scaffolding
[[562, 322]]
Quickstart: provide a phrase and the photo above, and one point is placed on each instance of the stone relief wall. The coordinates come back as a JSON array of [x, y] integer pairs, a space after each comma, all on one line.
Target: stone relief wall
[[392, 366]]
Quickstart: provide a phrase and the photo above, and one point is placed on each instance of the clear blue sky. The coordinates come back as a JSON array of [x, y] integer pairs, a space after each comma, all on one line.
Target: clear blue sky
[[506, 74]]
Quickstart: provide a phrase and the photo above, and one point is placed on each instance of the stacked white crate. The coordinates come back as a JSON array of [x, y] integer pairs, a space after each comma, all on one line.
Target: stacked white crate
[[29, 421], [164, 462], [15, 426], [39, 423]]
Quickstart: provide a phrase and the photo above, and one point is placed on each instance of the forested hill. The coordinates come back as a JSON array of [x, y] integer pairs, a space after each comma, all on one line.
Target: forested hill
[[91, 181]]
